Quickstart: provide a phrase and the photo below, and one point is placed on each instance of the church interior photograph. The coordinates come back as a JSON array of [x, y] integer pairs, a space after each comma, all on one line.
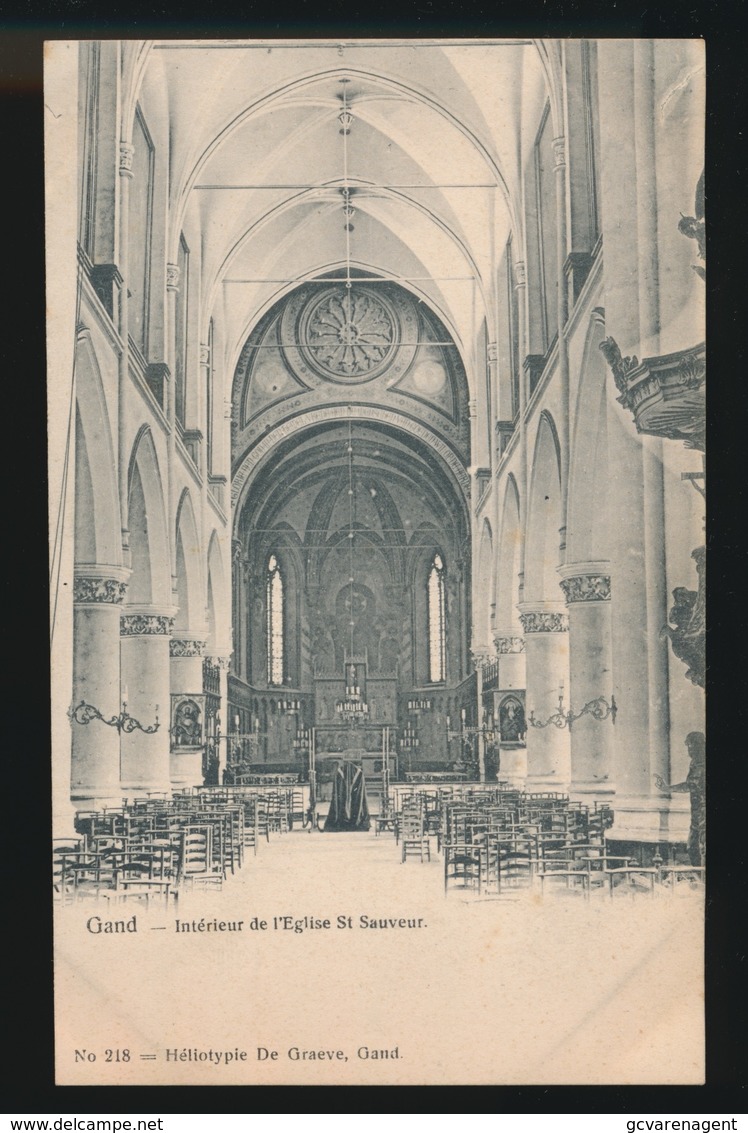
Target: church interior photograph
[[376, 391]]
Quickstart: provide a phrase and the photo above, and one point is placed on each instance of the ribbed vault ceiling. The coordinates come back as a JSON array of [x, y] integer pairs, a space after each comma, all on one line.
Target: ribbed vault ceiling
[[258, 163]]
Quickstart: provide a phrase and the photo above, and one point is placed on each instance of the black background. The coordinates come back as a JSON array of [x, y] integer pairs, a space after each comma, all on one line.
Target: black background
[[26, 800]]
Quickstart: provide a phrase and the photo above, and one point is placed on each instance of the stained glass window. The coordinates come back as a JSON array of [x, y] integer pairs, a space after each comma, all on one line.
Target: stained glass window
[[275, 622], [437, 620]]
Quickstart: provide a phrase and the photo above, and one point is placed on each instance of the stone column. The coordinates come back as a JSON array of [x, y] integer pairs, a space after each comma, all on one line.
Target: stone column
[[172, 288], [95, 774], [479, 658], [457, 615], [205, 404], [586, 587], [144, 638], [126, 155], [559, 164], [635, 498], [520, 286], [186, 675], [510, 648], [492, 361], [547, 649], [223, 665]]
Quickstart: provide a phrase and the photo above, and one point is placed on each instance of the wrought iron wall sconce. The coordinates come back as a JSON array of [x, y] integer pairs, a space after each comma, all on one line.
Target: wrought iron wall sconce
[[84, 713], [598, 709]]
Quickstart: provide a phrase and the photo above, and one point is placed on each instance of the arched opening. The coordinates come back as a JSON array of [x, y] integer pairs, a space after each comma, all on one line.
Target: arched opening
[[485, 598], [351, 522], [97, 518], [150, 582], [543, 615], [275, 613], [510, 558], [190, 614], [437, 620], [146, 625], [545, 518], [586, 577], [588, 514]]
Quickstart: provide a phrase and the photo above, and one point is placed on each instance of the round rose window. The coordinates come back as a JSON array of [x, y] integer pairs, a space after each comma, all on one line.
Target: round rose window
[[348, 334]]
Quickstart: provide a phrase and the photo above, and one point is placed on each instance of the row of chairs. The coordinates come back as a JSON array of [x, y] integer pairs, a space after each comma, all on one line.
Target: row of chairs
[[515, 840], [137, 868], [155, 848], [494, 839], [275, 810]]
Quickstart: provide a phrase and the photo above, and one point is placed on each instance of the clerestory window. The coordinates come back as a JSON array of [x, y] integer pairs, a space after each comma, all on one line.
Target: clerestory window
[[275, 617], [436, 603]]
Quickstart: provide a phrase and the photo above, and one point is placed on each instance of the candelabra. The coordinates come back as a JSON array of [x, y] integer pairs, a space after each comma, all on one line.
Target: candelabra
[[409, 739], [598, 709], [409, 742], [354, 707], [302, 741], [84, 713]]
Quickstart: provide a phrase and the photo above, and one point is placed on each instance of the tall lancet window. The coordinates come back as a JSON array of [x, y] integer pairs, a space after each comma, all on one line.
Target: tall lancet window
[[275, 612], [437, 621]]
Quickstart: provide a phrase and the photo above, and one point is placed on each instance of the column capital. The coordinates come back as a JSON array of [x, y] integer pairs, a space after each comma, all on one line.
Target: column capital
[[492, 352], [99, 588], [126, 154], [172, 277], [186, 647], [520, 277], [559, 152], [204, 354], [146, 625], [508, 643], [480, 657], [542, 620], [586, 588], [222, 663]]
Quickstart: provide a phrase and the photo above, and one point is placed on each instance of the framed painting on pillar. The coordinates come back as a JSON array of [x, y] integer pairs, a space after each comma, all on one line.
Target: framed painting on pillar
[[187, 729], [511, 717]]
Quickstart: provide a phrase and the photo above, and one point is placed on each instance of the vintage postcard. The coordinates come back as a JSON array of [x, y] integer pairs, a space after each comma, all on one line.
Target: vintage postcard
[[376, 440]]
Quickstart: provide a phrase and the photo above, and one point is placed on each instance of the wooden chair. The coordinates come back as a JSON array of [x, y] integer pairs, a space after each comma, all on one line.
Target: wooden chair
[[518, 859], [250, 824], [635, 876], [681, 877], [295, 808], [197, 866], [568, 870], [67, 854], [462, 865], [414, 841], [135, 881]]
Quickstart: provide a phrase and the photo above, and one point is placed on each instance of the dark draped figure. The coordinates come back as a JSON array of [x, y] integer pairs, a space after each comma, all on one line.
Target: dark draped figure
[[349, 809]]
